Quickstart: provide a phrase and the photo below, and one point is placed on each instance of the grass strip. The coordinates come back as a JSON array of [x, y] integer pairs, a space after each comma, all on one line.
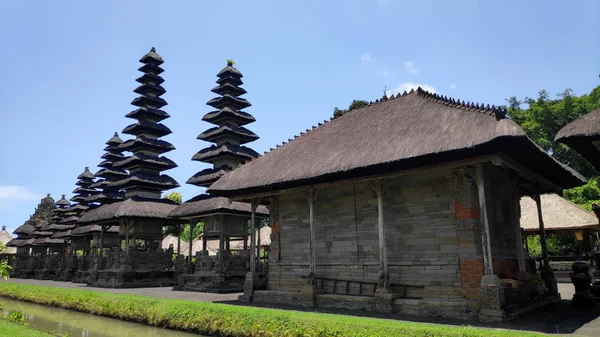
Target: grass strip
[[16, 330], [234, 321]]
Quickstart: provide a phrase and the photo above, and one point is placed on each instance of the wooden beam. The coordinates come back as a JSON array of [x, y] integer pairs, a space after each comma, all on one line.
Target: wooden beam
[[543, 243], [485, 226]]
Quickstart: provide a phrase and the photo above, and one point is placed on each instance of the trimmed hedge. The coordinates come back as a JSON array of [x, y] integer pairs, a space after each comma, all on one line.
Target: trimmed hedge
[[230, 320]]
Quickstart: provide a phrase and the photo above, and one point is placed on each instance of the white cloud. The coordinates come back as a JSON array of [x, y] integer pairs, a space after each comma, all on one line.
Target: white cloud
[[384, 3], [17, 193], [10, 196], [366, 58], [452, 86], [386, 73], [408, 86], [411, 68]]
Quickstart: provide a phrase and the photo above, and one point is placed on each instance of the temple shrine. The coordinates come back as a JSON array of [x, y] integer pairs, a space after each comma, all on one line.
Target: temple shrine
[[142, 213], [223, 220]]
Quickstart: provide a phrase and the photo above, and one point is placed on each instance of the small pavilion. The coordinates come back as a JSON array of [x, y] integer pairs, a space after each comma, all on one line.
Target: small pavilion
[[561, 217], [223, 220], [409, 204], [142, 213]]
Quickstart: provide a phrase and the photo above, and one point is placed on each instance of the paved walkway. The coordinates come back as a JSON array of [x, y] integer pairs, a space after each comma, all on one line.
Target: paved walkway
[[560, 319], [161, 292]]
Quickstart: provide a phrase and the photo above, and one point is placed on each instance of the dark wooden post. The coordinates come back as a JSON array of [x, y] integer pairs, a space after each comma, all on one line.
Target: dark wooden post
[[252, 236], [383, 263], [192, 226], [538, 202]]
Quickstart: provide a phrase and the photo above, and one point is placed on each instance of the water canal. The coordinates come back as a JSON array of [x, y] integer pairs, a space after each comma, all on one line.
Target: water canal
[[77, 324]]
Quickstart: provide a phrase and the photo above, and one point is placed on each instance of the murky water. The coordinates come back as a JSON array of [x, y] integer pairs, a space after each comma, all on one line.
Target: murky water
[[85, 325]]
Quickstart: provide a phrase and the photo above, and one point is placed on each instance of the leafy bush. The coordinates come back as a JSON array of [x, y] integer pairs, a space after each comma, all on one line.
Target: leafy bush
[[229, 320]]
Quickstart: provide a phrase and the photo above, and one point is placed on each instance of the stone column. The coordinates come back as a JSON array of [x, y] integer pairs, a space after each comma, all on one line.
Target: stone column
[[485, 226], [311, 197], [546, 273], [221, 256], [491, 292], [252, 276], [258, 242], [383, 292]]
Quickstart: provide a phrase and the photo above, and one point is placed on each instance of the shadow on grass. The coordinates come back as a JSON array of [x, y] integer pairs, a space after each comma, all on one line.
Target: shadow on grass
[[560, 318]]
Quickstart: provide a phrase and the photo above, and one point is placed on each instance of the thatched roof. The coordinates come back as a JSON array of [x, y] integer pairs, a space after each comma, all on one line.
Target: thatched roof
[[580, 134], [25, 228], [20, 242], [91, 229], [265, 239], [135, 207], [405, 132], [205, 204], [558, 214], [5, 238]]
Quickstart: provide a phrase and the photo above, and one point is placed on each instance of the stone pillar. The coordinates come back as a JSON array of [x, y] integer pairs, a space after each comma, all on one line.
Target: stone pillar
[[179, 228], [383, 292], [547, 274], [192, 226], [252, 279], [274, 222], [221, 256], [258, 242], [491, 299], [485, 226], [309, 291]]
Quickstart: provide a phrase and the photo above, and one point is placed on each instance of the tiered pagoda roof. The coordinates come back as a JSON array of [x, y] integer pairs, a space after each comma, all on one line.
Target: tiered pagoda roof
[[145, 164], [227, 152], [82, 192], [59, 229], [228, 135], [109, 174], [144, 183]]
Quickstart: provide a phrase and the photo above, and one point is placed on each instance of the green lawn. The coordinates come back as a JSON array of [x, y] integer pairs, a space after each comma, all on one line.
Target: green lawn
[[15, 330], [231, 320]]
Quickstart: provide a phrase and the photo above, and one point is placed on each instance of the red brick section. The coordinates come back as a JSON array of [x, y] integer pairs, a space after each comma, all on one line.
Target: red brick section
[[471, 272], [463, 213]]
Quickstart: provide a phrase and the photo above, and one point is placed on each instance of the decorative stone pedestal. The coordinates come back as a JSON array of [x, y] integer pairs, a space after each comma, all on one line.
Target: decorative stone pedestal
[[249, 285], [491, 299], [582, 282], [385, 300]]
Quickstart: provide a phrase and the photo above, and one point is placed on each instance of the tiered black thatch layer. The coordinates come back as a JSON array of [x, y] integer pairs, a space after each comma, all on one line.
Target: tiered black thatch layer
[[229, 134], [407, 131], [144, 164], [109, 174], [82, 192]]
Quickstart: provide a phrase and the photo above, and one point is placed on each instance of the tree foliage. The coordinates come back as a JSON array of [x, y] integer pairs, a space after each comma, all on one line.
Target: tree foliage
[[174, 196], [354, 105], [541, 118]]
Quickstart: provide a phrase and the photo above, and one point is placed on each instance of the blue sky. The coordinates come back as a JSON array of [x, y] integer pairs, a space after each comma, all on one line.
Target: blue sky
[[67, 69]]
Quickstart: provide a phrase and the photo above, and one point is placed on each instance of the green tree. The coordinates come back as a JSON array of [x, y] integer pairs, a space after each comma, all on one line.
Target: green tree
[[543, 117], [198, 229], [5, 267], [354, 105], [174, 196]]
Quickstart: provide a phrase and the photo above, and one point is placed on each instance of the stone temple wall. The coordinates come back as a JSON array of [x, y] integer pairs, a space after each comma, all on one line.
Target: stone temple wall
[[422, 243]]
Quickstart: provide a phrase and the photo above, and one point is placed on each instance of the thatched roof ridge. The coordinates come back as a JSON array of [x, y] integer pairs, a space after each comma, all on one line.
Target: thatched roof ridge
[[86, 174], [63, 201], [580, 135], [207, 176], [558, 214], [405, 131], [205, 204], [115, 140], [152, 57], [25, 228], [134, 207]]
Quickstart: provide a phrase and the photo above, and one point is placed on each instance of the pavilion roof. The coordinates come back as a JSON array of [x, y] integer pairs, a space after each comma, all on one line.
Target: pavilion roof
[[558, 213], [135, 207], [25, 228], [205, 204], [580, 134], [408, 131]]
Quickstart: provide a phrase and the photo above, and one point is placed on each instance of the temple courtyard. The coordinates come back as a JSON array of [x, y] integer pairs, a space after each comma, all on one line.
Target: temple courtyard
[[559, 319]]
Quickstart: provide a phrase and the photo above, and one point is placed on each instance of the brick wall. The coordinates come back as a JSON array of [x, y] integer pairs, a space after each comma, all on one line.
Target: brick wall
[[471, 272]]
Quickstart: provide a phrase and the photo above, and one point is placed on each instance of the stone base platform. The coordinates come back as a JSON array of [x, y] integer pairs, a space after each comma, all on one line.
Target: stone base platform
[[448, 308], [221, 283], [45, 274], [132, 279]]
